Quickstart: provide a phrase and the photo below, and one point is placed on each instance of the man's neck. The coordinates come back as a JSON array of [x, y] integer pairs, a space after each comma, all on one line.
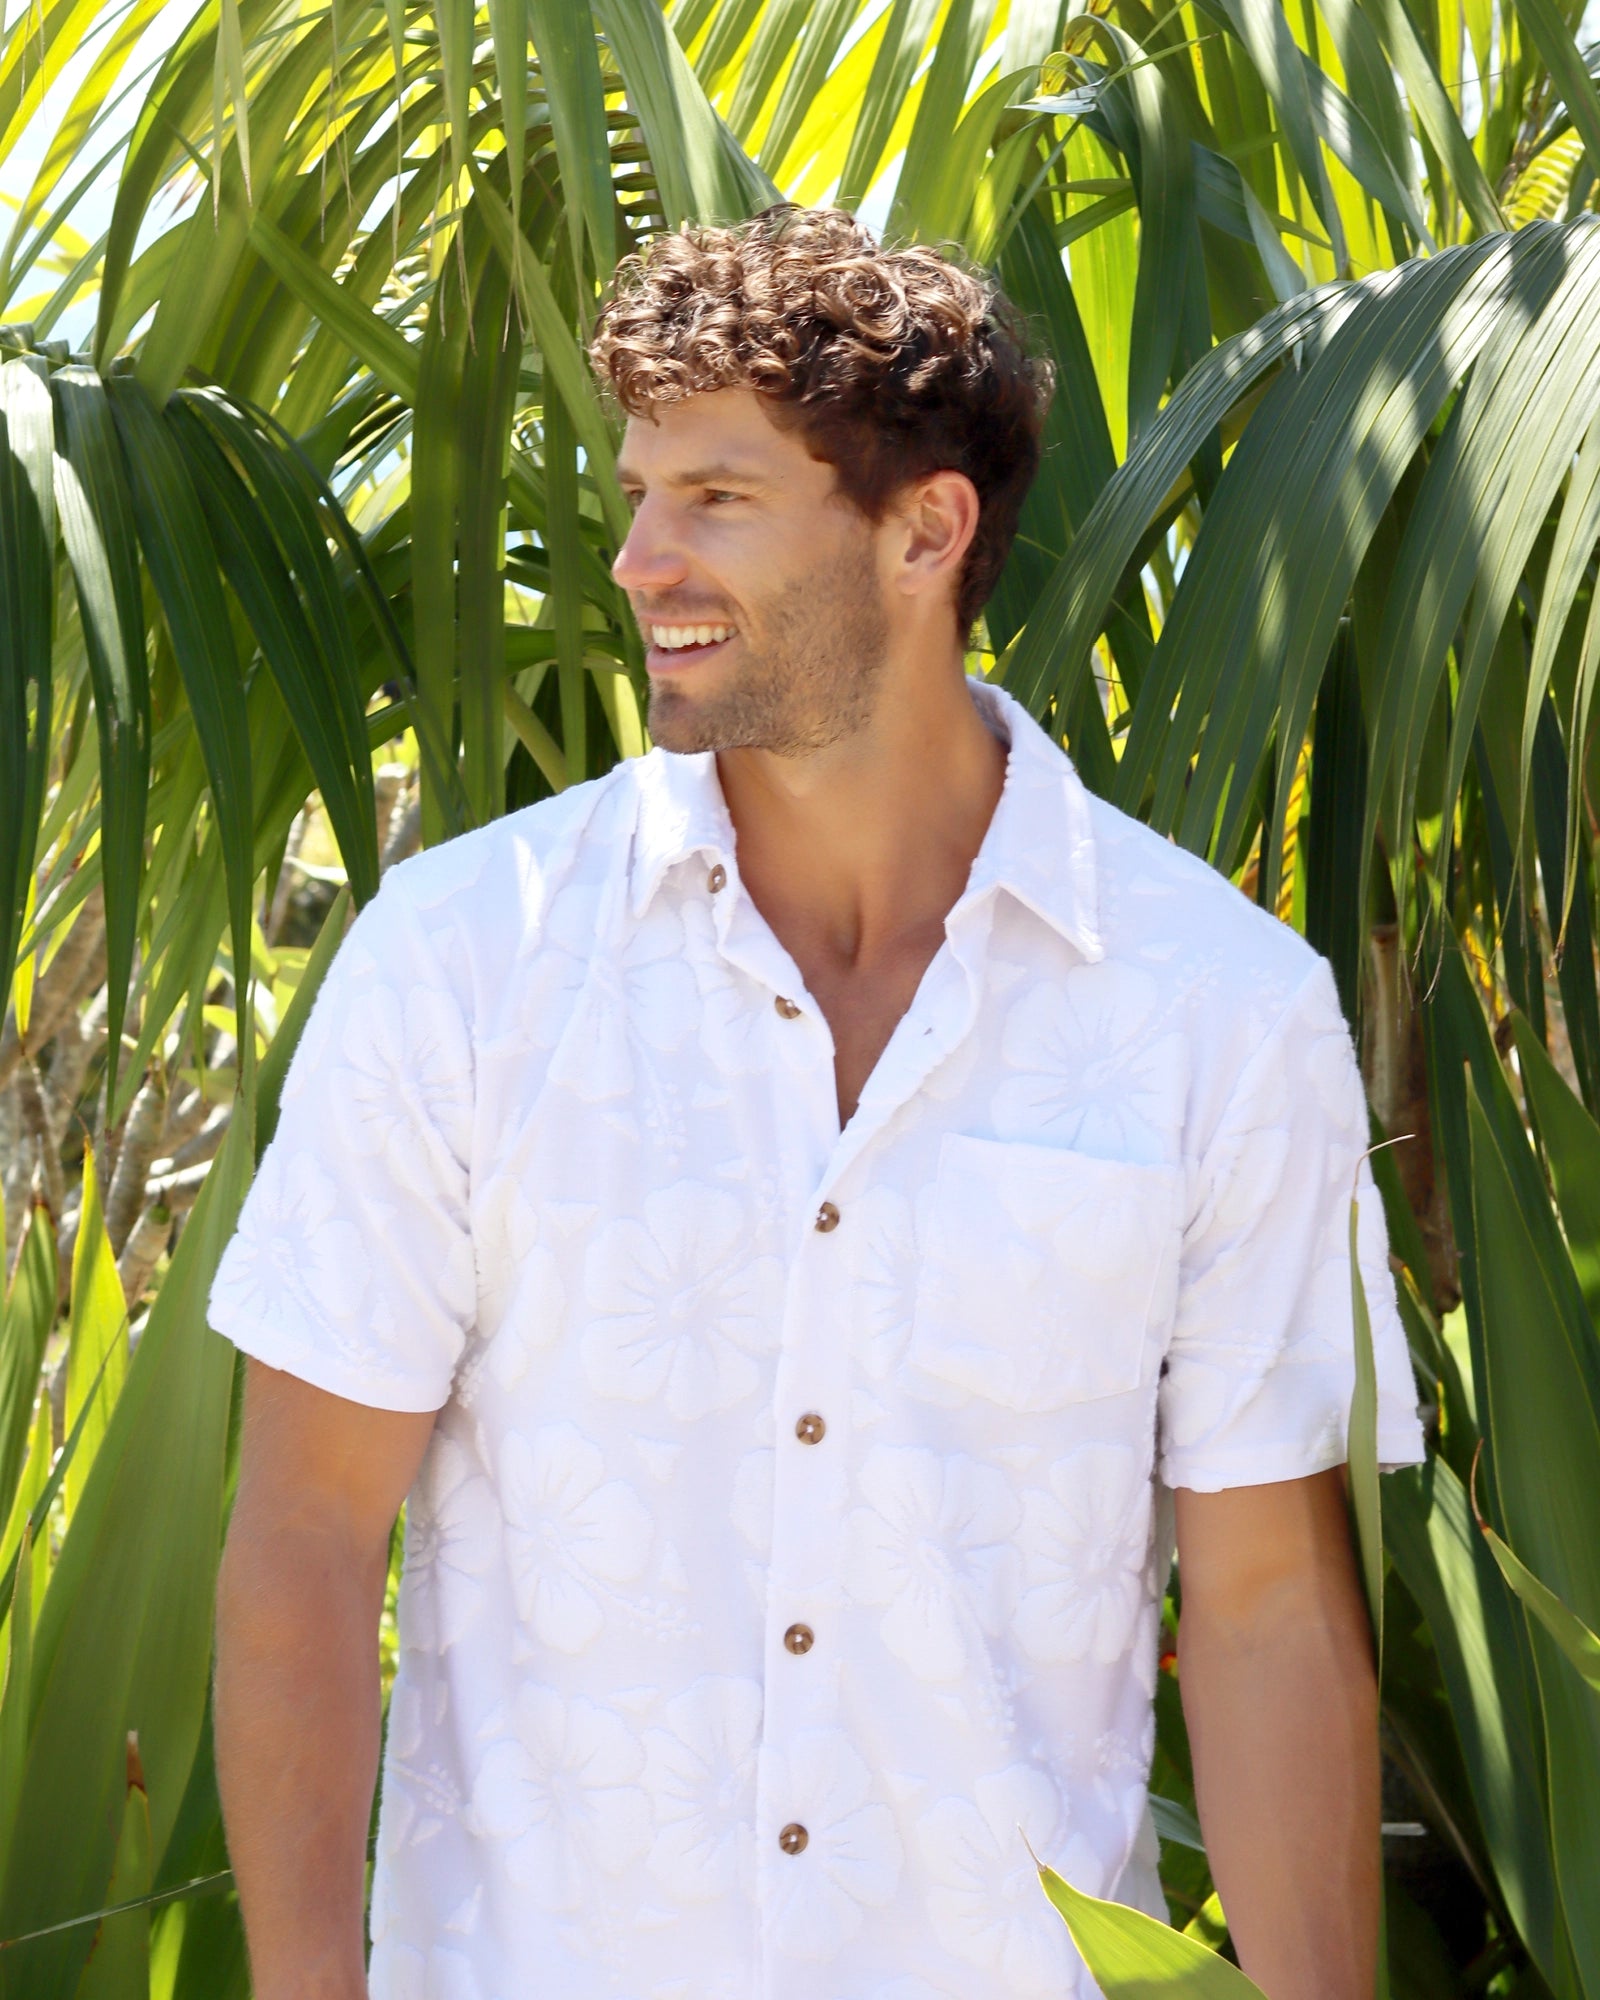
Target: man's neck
[[851, 851]]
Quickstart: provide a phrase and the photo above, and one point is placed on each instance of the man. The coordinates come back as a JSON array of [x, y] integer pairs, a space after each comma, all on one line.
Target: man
[[793, 1216]]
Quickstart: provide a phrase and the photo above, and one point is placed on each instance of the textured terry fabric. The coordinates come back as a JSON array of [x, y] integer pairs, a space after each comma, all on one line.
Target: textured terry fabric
[[550, 1161]]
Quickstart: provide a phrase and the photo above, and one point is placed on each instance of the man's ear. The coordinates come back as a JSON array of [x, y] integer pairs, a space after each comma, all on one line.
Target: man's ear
[[937, 517]]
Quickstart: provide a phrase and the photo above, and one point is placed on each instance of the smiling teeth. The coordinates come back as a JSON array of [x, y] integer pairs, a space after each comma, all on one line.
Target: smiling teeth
[[671, 637]]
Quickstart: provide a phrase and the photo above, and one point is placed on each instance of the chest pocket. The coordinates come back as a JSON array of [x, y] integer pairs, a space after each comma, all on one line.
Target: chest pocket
[[1049, 1277]]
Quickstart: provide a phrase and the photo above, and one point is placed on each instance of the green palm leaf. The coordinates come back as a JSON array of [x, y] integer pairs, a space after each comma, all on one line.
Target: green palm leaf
[[1334, 619], [1448, 1570], [177, 548], [1569, 1632], [1049, 658], [123, 1638], [98, 528], [27, 577], [702, 173], [1132, 1957], [1264, 30], [315, 678], [1544, 1399], [1415, 66], [27, 1314], [569, 68]]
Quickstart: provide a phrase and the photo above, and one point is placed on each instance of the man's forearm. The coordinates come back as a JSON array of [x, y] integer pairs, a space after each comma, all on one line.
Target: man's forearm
[[297, 1723], [1283, 1724]]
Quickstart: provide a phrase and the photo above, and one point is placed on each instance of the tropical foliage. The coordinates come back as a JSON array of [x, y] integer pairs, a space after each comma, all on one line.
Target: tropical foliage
[[304, 549]]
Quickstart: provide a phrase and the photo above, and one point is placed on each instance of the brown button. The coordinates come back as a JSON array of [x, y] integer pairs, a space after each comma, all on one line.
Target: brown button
[[827, 1218], [787, 1008], [799, 1638], [809, 1428], [793, 1838], [717, 879]]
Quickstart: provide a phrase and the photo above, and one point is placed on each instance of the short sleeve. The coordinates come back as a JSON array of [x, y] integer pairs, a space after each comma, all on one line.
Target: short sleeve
[[352, 1265], [1260, 1371]]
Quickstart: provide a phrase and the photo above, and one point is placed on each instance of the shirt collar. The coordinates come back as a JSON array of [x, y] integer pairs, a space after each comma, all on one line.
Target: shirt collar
[[1039, 846], [681, 813]]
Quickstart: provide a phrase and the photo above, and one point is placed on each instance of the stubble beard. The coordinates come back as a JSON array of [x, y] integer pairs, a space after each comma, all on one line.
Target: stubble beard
[[811, 682]]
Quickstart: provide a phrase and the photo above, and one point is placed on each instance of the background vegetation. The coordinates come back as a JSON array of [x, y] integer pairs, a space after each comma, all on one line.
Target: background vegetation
[[304, 546]]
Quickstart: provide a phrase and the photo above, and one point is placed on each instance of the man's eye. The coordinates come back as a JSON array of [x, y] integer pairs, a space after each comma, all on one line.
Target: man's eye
[[715, 495]]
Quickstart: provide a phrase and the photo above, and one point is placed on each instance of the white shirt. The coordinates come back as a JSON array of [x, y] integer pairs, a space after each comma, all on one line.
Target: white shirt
[[789, 1478]]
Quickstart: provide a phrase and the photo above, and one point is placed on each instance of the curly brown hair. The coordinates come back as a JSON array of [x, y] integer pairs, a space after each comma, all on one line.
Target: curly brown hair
[[891, 364]]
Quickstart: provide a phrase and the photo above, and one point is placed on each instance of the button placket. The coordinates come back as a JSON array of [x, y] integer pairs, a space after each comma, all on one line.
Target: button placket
[[941, 1017], [810, 1496]]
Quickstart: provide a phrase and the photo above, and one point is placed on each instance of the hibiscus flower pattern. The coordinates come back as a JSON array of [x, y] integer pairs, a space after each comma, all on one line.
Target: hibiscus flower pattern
[[1044, 1273], [401, 1088], [424, 1796], [641, 997], [560, 1791], [934, 1548], [736, 1021], [682, 1309], [296, 1261], [571, 1534], [1233, 1335], [787, 1536], [883, 1277], [452, 1545], [817, 1900], [1087, 1543], [521, 1289], [984, 1901], [700, 1772], [1094, 1065]]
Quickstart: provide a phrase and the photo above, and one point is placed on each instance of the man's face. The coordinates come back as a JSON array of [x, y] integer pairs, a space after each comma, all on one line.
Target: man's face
[[756, 586]]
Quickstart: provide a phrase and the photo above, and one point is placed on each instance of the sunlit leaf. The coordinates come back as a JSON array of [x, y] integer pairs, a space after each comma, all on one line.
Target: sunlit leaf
[[98, 529], [97, 1339], [123, 1639], [1133, 1957], [177, 548], [27, 1314], [27, 572], [1568, 1630]]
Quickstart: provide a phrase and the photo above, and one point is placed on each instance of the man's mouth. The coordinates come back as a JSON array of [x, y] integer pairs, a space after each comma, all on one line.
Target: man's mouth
[[672, 646]]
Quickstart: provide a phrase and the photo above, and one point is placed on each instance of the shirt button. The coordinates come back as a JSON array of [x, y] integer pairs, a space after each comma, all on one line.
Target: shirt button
[[799, 1639], [717, 879], [809, 1428], [827, 1218], [793, 1838], [787, 1008]]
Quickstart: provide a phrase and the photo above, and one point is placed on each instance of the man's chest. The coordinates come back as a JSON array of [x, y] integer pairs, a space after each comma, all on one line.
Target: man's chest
[[797, 1477], [667, 1217], [796, 1499]]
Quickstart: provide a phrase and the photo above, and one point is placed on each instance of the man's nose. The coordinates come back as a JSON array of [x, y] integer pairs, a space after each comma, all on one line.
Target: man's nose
[[648, 559]]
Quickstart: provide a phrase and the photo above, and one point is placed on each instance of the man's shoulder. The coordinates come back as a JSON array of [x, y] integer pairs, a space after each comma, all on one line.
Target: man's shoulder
[[1168, 909], [513, 865]]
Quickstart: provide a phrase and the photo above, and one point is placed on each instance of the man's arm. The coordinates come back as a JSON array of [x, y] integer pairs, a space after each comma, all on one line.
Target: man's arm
[[1275, 1663], [297, 1700]]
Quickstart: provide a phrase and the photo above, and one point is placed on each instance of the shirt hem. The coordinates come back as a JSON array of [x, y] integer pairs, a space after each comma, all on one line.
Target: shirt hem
[[292, 1357], [1397, 1448]]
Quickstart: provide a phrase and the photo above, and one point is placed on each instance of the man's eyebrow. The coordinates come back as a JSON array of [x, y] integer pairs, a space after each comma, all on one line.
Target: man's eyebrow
[[699, 475]]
